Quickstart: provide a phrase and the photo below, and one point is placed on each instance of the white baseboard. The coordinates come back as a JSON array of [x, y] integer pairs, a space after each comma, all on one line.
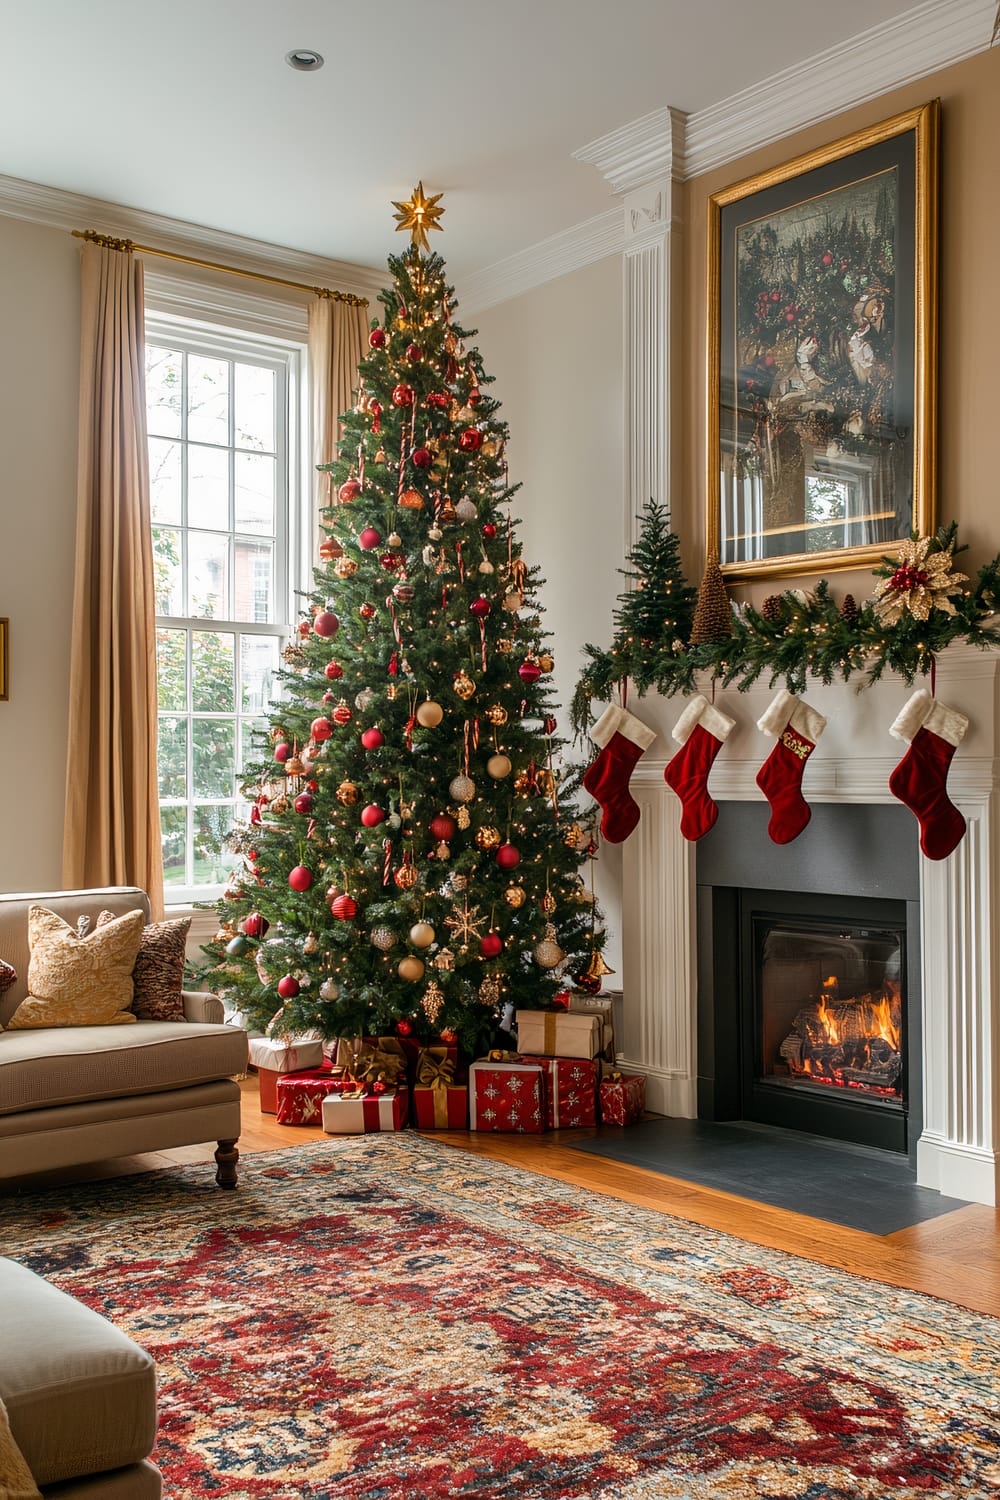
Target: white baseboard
[[666, 1093], [968, 1172]]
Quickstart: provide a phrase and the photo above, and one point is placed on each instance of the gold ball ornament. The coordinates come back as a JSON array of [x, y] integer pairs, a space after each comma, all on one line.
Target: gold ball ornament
[[504, 646], [429, 714], [515, 896], [347, 794], [406, 877], [547, 952], [410, 967], [497, 715], [513, 600], [311, 944], [459, 882], [422, 934], [462, 789], [345, 567], [488, 837], [383, 938], [498, 766], [545, 661], [464, 685]]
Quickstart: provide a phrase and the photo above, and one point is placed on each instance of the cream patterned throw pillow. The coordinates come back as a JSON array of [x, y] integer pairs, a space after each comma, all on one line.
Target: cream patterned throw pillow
[[158, 976], [76, 981]]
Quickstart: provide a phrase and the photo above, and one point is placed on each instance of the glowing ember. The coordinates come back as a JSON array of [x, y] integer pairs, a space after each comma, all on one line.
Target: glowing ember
[[849, 1043]]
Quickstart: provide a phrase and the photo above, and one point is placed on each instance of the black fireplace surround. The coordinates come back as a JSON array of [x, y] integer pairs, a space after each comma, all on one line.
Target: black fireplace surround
[[809, 974]]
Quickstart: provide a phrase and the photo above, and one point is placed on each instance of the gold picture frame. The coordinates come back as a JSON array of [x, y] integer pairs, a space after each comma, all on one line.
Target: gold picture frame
[[822, 354], [4, 659]]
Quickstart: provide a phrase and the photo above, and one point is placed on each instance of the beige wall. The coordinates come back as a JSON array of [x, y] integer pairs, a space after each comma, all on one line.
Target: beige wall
[[556, 353], [969, 305], [39, 378]]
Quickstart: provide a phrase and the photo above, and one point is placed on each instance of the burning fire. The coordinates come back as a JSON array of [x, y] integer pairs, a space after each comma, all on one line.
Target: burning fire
[[851, 1043]]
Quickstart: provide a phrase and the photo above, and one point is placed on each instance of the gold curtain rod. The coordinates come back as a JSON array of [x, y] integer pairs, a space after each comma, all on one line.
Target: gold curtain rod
[[111, 243]]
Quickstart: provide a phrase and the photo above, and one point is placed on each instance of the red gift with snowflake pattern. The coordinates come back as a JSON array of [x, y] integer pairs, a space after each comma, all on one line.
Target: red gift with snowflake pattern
[[506, 1093], [571, 1090], [622, 1098], [301, 1095]]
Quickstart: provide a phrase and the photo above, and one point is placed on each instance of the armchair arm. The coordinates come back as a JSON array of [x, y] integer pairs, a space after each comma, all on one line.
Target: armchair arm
[[201, 1005]]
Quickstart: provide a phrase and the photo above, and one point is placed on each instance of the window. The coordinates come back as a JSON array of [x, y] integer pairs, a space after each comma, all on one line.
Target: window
[[220, 416]]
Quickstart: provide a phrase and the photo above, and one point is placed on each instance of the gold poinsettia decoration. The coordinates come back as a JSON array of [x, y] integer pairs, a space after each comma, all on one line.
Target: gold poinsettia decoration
[[923, 580]]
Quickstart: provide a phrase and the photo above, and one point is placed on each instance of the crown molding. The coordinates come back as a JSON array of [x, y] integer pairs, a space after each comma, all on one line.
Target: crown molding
[[59, 209], [932, 36], [593, 240], [639, 152]]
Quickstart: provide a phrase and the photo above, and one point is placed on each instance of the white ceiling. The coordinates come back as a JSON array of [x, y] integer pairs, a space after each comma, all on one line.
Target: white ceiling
[[187, 108]]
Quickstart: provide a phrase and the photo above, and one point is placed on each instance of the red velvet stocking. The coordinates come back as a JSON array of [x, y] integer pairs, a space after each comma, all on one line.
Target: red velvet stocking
[[623, 739], [920, 780], [797, 728], [701, 731]]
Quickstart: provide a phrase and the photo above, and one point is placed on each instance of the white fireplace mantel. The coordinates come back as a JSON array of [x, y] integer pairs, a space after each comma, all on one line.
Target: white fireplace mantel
[[959, 1148]]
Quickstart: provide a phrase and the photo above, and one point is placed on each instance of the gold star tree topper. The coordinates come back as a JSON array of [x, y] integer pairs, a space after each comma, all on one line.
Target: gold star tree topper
[[418, 214]]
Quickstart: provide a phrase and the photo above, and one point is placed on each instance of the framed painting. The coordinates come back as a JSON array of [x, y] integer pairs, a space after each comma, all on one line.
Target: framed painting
[[822, 354]]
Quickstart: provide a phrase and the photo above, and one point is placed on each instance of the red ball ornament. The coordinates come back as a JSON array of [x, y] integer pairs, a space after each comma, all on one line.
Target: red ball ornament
[[344, 908], [349, 490], [422, 458], [303, 803], [480, 607], [333, 670], [254, 925], [329, 697], [282, 751], [440, 399], [471, 440], [404, 1027], [301, 878], [391, 561], [827, 259], [326, 623], [288, 987], [372, 816], [372, 739], [442, 828], [369, 538], [550, 725], [475, 396], [508, 857], [376, 339], [448, 1036], [321, 729], [529, 671], [589, 986], [367, 611], [491, 945], [342, 714], [402, 395], [489, 531], [414, 353], [304, 627]]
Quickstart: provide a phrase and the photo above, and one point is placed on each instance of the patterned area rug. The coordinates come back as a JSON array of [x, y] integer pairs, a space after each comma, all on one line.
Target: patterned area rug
[[388, 1317]]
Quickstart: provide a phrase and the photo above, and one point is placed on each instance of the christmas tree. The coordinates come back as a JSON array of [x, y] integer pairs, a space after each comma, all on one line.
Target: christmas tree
[[411, 860], [651, 625]]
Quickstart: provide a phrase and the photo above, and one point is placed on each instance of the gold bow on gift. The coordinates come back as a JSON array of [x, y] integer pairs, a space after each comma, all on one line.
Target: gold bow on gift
[[434, 1072], [379, 1067], [613, 1077], [498, 1055]]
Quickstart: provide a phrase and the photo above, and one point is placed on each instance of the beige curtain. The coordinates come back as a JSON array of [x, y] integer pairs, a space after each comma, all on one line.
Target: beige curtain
[[338, 341], [112, 824]]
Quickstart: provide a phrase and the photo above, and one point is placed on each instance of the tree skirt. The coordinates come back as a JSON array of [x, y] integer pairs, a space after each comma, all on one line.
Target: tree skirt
[[388, 1317]]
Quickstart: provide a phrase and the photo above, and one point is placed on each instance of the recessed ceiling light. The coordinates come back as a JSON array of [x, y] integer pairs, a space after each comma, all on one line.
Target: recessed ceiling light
[[304, 59]]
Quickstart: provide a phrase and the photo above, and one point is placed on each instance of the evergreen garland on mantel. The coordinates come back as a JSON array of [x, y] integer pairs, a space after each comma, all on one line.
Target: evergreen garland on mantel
[[920, 605]]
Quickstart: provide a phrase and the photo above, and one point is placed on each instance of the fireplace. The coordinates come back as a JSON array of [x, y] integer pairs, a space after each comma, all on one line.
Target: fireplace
[[808, 998]]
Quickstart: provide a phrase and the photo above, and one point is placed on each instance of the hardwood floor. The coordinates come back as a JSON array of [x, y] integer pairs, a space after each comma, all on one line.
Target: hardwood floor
[[956, 1257]]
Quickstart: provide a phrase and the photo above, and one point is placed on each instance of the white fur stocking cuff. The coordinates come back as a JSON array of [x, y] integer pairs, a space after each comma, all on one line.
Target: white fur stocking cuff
[[785, 711], [619, 721], [924, 712], [711, 719]]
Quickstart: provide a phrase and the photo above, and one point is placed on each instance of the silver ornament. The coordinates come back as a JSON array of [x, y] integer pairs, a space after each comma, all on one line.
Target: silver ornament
[[462, 789], [383, 938], [329, 990], [465, 510], [363, 699]]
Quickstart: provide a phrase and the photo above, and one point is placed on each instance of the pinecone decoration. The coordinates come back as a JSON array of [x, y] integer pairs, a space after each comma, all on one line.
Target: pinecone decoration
[[771, 609], [849, 611], [713, 614]]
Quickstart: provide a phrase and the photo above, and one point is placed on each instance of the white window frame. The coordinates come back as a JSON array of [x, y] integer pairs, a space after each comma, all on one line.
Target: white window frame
[[293, 533]]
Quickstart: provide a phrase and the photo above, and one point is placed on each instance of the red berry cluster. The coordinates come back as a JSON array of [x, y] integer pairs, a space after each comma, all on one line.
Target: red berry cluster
[[907, 577]]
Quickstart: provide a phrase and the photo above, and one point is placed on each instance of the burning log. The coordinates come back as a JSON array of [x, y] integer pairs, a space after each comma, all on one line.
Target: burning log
[[854, 1042]]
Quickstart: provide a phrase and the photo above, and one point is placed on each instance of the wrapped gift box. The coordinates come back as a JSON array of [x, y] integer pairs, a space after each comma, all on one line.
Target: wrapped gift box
[[274, 1057], [622, 1098], [352, 1113], [557, 1033], [301, 1095], [353, 1052], [507, 1096], [603, 1007], [571, 1090], [440, 1099]]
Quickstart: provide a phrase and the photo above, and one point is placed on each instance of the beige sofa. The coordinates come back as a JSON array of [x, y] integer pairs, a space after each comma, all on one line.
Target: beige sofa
[[82, 1093]]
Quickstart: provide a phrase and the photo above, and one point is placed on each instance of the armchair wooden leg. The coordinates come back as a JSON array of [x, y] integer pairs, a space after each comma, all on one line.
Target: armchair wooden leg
[[226, 1156]]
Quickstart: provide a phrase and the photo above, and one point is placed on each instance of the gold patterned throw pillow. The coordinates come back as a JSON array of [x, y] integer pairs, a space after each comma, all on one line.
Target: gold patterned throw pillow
[[76, 981], [158, 975]]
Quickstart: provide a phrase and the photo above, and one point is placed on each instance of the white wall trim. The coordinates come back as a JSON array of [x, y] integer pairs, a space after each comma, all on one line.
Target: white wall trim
[[593, 240], [64, 210], [639, 152]]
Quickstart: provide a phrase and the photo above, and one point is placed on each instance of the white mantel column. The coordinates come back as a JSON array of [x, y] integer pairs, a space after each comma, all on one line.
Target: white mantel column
[[641, 163]]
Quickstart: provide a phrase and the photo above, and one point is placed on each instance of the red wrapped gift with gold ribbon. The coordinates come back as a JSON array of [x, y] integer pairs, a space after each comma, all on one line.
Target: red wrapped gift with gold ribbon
[[301, 1095], [622, 1098], [440, 1102], [571, 1095], [506, 1094]]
